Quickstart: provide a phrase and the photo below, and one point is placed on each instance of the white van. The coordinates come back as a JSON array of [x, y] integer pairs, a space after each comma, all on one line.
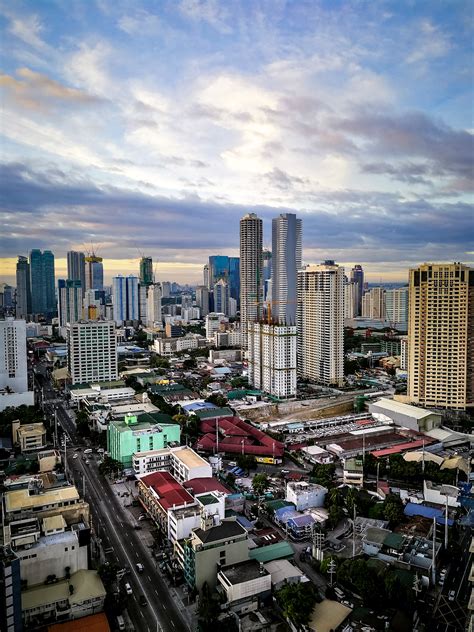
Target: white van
[[88, 451], [120, 622]]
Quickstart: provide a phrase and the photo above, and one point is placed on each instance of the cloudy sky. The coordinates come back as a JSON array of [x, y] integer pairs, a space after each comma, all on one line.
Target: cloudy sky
[[151, 128]]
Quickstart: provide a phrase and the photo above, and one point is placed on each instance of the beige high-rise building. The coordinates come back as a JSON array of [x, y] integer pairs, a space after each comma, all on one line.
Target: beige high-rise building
[[373, 303], [320, 323], [441, 336], [251, 270]]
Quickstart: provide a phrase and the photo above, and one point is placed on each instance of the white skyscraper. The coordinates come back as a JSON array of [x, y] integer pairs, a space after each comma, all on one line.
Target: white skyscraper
[[92, 351], [13, 365], [320, 321], [154, 305], [286, 261], [350, 299], [373, 303], [202, 299], [70, 295], [251, 270], [396, 306], [125, 298], [272, 359]]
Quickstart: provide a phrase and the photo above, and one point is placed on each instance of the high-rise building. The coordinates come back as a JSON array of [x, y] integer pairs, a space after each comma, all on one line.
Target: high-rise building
[[94, 272], [165, 289], [227, 268], [70, 296], [396, 306], [205, 275], [234, 278], [267, 275], [125, 298], [357, 276], [23, 288], [43, 297], [154, 305], [10, 591], [215, 322], [320, 323], [143, 302], [441, 336], [76, 267], [286, 261], [93, 304], [146, 271], [221, 297], [373, 303], [350, 299], [272, 359], [202, 299], [13, 364], [251, 270], [92, 351]]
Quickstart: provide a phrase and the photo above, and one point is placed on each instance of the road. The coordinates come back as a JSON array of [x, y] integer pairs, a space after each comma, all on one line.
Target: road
[[161, 612]]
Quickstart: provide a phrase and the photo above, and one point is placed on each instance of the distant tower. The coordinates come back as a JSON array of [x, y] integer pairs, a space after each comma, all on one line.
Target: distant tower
[[125, 298], [23, 288], [357, 276], [94, 272], [146, 271], [221, 297], [70, 295], [43, 296], [76, 267], [202, 299], [251, 270], [286, 261], [205, 275]]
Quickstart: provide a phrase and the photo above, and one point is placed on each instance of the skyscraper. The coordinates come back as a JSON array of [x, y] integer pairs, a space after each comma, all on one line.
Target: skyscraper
[[227, 268], [350, 298], [251, 270], [202, 299], [286, 261], [92, 351], [205, 275], [396, 306], [13, 364], [154, 305], [320, 323], [94, 272], [125, 298], [23, 288], [221, 297], [70, 295], [43, 297], [373, 304], [146, 271], [357, 276], [76, 267], [441, 336]]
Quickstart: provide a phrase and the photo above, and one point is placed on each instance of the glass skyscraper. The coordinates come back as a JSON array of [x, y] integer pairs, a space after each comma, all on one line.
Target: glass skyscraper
[[227, 268], [43, 298]]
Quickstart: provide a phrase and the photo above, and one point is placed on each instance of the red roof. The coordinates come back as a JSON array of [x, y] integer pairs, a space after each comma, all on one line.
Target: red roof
[[169, 491], [231, 432], [401, 447], [204, 485]]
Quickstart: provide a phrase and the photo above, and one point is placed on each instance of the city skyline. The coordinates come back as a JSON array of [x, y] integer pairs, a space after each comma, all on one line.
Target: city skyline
[[304, 107]]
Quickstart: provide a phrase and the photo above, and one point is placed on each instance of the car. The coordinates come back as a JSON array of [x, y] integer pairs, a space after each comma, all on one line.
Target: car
[[142, 600], [451, 595], [140, 567], [87, 461], [128, 589], [75, 456]]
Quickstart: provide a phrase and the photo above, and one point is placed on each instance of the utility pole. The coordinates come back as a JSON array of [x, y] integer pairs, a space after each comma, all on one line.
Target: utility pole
[[433, 564], [354, 533], [446, 525], [331, 570], [65, 456], [56, 426]]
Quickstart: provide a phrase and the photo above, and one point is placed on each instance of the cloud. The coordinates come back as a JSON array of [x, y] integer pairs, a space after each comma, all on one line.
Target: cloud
[[141, 23], [212, 12], [87, 67], [28, 29], [431, 43]]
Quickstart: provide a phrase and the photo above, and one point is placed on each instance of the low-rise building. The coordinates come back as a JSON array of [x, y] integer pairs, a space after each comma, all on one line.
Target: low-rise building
[[315, 454], [245, 584], [412, 417], [29, 436], [353, 472], [134, 434], [284, 572], [169, 346], [305, 495], [182, 462], [160, 493]]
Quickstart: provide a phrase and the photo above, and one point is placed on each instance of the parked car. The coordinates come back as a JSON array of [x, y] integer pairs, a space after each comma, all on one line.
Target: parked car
[[128, 589], [451, 595], [140, 567], [75, 456]]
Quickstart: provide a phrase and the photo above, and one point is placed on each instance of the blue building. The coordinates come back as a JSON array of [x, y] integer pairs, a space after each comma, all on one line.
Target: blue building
[[125, 298], [43, 298], [227, 268]]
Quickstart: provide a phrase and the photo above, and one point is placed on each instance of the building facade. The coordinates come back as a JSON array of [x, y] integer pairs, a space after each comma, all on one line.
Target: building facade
[[92, 351], [222, 297], [272, 359], [70, 296], [43, 298], [320, 318], [23, 288], [94, 272], [357, 277], [286, 261], [146, 271], [125, 298], [251, 270], [10, 591], [350, 299], [396, 305], [202, 300], [13, 365], [153, 312], [76, 267], [441, 336], [182, 463], [373, 304]]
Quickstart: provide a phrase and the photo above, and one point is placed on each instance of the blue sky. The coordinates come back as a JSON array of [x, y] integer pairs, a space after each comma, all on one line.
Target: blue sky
[[153, 127]]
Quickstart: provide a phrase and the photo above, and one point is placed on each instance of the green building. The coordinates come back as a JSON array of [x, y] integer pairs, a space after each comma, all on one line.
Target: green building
[[150, 431]]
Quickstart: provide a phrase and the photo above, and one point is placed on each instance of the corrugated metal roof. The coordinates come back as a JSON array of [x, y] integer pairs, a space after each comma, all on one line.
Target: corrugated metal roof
[[271, 552]]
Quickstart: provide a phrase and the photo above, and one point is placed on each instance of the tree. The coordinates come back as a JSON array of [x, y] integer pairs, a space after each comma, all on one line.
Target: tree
[[219, 400], [393, 509], [260, 483], [246, 461], [323, 473], [297, 602], [180, 419], [351, 500], [109, 465], [208, 609]]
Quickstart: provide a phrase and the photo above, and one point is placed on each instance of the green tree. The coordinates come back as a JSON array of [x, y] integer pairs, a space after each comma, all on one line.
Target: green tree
[[109, 466], [219, 400], [246, 461], [393, 509], [297, 602], [260, 483], [323, 473]]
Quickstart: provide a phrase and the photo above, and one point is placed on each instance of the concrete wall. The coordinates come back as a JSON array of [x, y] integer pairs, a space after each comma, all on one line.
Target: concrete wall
[[208, 559]]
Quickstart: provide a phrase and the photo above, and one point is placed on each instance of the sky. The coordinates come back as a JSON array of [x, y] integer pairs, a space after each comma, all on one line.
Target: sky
[[150, 128]]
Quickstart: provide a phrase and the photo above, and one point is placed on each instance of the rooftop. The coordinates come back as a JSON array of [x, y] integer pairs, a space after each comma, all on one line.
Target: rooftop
[[244, 572], [203, 485], [207, 499], [54, 522], [404, 409], [227, 529], [170, 493], [189, 457], [94, 623], [281, 570], [22, 499], [271, 552], [32, 429], [328, 615], [145, 421], [87, 585]]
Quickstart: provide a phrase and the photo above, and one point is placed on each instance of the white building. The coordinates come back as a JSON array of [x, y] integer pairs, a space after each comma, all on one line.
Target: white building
[[230, 338], [396, 305], [215, 322], [92, 351], [373, 304], [92, 306], [351, 293], [183, 463], [153, 311], [320, 351], [125, 298], [69, 302], [170, 346], [286, 261], [413, 417], [315, 454], [183, 520], [272, 359], [305, 495], [245, 582], [13, 365], [202, 299], [251, 270], [404, 353]]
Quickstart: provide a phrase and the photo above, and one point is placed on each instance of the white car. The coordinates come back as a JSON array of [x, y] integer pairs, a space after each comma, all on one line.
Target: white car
[[451, 595], [140, 568], [75, 456], [128, 589]]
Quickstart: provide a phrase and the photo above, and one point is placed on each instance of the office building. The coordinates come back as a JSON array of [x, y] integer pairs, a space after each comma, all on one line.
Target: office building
[[205, 275], [251, 270], [146, 271], [272, 359], [94, 272], [166, 289], [10, 591], [76, 267], [396, 307], [23, 288], [93, 304], [43, 297], [202, 299], [222, 297], [125, 298], [143, 303], [13, 365], [320, 322], [441, 336], [286, 261], [154, 305], [69, 301], [267, 275], [215, 322], [182, 462], [92, 351], [373, 304], [357, 277], [227, 268], [350, 299]]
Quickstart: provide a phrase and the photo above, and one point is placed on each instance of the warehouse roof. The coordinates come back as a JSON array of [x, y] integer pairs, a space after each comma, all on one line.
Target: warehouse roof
[[271, 552], [404, 409]]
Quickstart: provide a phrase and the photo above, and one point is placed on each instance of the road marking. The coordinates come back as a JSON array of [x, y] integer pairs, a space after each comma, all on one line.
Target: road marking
[[141, 612], [149, 578]]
